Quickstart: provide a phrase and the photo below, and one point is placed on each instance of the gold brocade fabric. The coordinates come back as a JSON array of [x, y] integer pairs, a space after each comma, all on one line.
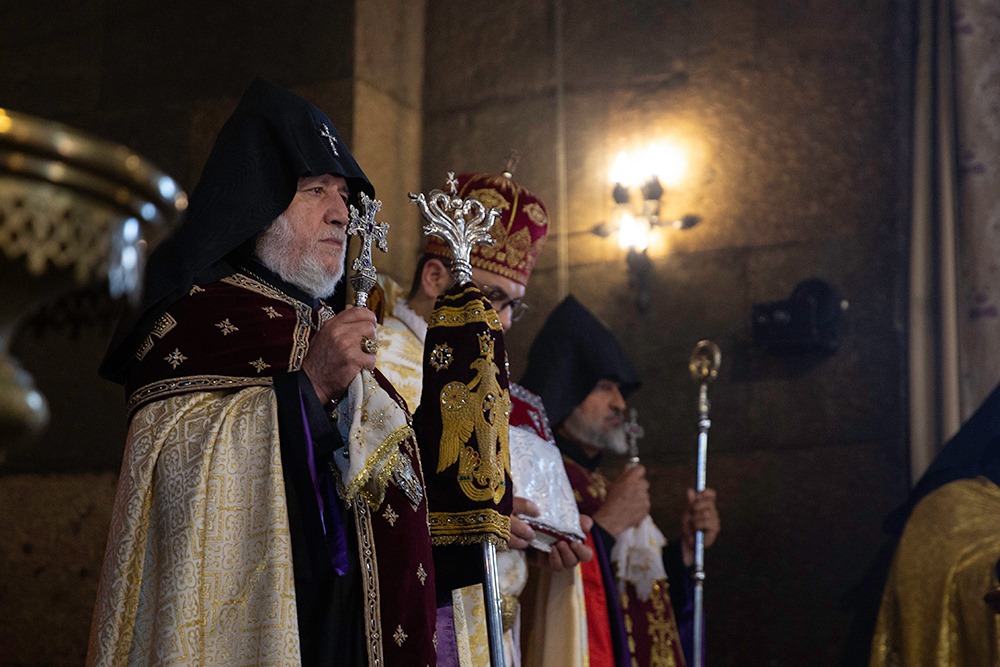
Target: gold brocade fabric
[[199, 566], [469, 614], [375, 428], [932, 612], [395, 346], [401, 345]]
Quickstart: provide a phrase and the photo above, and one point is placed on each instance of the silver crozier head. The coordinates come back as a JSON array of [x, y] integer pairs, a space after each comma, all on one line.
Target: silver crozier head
[[460, 223], [364, 226]]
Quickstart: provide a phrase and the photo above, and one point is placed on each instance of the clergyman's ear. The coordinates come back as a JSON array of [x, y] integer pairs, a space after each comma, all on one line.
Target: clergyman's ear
[[435, 278]]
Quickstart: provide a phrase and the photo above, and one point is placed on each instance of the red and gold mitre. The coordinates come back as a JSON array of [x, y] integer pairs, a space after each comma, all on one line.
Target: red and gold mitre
[[518, 233]]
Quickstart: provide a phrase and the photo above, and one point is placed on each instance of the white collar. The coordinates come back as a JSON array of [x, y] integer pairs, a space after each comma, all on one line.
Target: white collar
[[414, 322]]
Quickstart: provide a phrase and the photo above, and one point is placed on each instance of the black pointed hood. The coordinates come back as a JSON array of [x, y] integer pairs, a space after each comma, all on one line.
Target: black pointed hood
[[271, 140], [572, 352], [972, 452]]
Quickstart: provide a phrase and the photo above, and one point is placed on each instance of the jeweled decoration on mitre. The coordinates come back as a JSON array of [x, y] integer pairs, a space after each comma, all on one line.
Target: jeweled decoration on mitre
[[518, 234]]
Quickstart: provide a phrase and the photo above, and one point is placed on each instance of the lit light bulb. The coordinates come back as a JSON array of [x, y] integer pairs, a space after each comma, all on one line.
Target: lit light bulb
[[633, 232], [668, 162], [622, 170]]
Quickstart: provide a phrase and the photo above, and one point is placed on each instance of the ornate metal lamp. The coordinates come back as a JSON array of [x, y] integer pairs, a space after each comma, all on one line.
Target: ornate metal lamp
[[75, 211], [638, 185]]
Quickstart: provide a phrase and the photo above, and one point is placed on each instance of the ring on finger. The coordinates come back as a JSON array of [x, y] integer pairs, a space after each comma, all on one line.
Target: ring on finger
[[369, 345]]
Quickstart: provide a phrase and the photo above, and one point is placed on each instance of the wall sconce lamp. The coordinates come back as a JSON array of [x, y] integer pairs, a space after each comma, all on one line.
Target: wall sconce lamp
[[637, 182]]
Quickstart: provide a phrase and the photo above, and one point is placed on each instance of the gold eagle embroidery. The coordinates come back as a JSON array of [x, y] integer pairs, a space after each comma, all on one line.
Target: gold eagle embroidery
[[483, 408]]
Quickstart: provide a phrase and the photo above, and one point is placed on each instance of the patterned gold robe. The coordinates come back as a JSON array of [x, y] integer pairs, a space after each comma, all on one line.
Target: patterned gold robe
[[933, 613], [401, 344], [210, 560]]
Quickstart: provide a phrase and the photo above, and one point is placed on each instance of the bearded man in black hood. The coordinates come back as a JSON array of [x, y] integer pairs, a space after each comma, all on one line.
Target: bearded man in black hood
[[639, 614], [245, 531]]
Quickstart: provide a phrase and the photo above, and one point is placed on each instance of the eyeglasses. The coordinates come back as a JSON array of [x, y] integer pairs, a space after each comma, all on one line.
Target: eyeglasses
[[500, 300]]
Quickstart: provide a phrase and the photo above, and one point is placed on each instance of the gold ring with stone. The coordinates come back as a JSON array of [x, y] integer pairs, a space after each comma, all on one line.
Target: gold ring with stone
[[369, 345]]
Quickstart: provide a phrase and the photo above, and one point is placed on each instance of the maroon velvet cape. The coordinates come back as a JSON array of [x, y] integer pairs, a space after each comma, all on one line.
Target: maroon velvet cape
[[244, 331], [650, 630]]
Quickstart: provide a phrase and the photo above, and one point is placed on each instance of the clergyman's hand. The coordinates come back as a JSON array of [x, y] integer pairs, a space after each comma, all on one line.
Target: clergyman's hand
[[566, 554], [627, 502], [335, 354], [702, 514], [521, 533]]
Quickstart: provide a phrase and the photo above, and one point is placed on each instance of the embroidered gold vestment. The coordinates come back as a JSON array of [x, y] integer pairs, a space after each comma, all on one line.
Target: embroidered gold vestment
[[199, 564]]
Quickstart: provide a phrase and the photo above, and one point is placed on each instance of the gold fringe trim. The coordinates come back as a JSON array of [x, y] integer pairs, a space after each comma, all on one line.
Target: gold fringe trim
[[381, 465], [470, 527], [475, 310]]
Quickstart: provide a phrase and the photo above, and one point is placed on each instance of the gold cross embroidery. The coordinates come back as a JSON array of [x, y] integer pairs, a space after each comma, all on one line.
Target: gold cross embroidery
[[175, 358], [226, 327], [260, 364]]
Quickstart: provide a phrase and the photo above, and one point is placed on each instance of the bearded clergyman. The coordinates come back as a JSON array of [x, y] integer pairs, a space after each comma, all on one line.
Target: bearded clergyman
[[244, 531]]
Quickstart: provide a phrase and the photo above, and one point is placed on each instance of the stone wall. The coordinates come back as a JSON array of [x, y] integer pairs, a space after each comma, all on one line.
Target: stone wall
[[794, 116]]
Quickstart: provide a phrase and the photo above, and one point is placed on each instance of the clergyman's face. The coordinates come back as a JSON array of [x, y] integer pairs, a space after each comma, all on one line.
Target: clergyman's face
[[599, 420], [306, 243], [501, 292]]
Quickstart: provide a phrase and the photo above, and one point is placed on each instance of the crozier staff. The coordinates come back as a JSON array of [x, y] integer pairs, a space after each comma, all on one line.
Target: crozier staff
[[579, 368], [546, 533]]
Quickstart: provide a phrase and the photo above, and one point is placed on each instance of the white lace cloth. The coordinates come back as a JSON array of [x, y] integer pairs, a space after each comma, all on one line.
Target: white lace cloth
[[638, 557], [538, 474], [374, 427]]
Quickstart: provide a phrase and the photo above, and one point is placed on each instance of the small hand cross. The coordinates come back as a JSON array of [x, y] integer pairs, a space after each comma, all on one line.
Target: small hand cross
[[365, 227], [633, 431]]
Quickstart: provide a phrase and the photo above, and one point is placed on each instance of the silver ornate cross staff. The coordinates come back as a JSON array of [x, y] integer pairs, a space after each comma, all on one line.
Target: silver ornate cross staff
[[462, 224], [365, 227]]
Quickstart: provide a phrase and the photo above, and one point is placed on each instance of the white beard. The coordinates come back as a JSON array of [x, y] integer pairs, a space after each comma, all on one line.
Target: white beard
[[274, 249], [583, 431]]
